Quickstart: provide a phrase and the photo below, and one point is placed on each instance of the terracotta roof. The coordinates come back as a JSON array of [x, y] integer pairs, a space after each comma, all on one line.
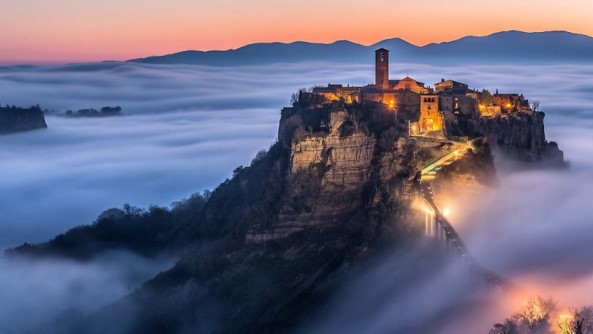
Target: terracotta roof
[[421, 84]]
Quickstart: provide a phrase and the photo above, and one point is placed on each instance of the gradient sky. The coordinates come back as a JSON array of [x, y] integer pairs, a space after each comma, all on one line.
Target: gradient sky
[[88, 30]]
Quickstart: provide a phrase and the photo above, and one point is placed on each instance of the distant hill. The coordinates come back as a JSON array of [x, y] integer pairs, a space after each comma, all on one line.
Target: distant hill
[[16, 119], [503, 47]]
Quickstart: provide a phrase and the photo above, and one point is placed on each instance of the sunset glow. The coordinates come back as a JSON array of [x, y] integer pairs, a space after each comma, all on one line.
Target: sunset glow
[[65, 30]]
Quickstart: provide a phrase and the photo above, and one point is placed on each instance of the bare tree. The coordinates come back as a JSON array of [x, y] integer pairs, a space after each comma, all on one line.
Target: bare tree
[[355, 117], [571, 323], [577, 321]]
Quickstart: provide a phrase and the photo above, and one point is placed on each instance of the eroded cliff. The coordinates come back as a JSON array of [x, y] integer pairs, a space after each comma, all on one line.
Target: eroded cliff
[[341, 172], [518, 135]]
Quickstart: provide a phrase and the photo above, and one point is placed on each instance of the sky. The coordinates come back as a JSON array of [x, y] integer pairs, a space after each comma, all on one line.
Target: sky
[[58, 31]]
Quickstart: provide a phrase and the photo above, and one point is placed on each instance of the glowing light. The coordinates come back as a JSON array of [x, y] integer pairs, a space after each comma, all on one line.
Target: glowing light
[[566, 317], [509, 105], [446, 212], [427, 210]]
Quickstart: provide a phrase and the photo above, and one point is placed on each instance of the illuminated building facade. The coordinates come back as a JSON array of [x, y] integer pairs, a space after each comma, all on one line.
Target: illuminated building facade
[[425, 108]]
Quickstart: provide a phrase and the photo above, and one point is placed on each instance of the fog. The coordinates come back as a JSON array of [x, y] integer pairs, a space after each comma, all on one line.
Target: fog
[[35, 292], [186, 128]]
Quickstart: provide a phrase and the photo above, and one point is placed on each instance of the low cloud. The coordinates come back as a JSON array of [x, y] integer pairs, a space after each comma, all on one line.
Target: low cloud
[[33, 292], [187, 127]]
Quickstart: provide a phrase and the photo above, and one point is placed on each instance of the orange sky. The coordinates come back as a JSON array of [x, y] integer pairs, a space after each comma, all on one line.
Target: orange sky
[[75, 30]]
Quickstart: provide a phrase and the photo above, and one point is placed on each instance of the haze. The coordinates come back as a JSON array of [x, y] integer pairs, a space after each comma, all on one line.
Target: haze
[[187, 127]]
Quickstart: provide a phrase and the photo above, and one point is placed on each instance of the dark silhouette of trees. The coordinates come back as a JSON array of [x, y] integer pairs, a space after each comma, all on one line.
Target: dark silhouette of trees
[[90, 112], [541, 316]]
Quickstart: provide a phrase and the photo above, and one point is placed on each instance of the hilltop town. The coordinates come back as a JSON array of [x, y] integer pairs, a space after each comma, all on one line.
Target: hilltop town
[[341, 183], [430, 111]]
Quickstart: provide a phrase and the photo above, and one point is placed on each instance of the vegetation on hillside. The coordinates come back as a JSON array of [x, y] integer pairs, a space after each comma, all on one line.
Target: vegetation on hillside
[[543, 316]]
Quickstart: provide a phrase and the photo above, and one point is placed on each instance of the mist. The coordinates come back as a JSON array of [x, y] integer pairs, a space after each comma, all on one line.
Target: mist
[[186, 128], [35, 292], [534, 229]]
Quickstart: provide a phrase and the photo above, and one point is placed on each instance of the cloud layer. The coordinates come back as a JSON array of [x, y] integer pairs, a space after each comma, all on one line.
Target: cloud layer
[[187, 127]]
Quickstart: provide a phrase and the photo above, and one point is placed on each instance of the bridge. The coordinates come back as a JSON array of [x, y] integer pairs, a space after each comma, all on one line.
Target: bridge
[[438, 226]]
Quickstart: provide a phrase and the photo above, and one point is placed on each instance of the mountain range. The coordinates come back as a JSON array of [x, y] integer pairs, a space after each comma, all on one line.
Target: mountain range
[[516, 47]]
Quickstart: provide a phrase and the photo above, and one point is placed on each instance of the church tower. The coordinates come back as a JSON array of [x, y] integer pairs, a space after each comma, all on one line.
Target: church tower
[[382, 68]]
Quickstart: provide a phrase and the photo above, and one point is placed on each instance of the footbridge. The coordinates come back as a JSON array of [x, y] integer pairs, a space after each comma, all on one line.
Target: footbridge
[[438, 226]]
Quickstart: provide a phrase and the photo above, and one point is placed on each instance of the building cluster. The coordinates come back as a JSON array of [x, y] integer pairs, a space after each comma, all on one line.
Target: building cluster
[[433, 105]]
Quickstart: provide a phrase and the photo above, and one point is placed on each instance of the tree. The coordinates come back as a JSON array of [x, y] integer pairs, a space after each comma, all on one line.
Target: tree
[[576, 321], [486, 97], [535, 105], [111, 110], [132, 211], [259, 156], [295, 97], [508, 327], [355, 117], [535, 318]]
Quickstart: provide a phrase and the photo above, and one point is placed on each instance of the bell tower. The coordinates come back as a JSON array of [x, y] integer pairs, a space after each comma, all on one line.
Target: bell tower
[[382, 68]]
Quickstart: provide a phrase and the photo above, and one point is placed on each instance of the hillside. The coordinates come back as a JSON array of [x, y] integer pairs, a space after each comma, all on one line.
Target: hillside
[[266, 249], [513, 47]]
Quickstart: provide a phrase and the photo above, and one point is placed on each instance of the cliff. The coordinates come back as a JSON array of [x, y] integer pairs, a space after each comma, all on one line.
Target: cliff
[[522, 136], [14, 119], [339, 170], [518, 135], [271, 244]]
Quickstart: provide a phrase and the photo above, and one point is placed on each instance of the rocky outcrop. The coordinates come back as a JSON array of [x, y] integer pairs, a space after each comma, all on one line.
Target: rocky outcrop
[[518, 135], [14, 119], [336, 186], [522, 136], [268, 247], [339, 172], [475, 169]]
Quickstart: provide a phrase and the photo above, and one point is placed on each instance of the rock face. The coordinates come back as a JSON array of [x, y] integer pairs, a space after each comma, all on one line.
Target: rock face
[[519, 135], [337, 171], [522, 136], [14, 119]]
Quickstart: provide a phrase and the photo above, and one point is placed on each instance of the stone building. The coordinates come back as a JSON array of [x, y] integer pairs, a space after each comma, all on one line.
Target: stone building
[[426, 109], [335, 92], [410, 84], [431, 118], [382, 68], [511, 102], [451, 86]]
